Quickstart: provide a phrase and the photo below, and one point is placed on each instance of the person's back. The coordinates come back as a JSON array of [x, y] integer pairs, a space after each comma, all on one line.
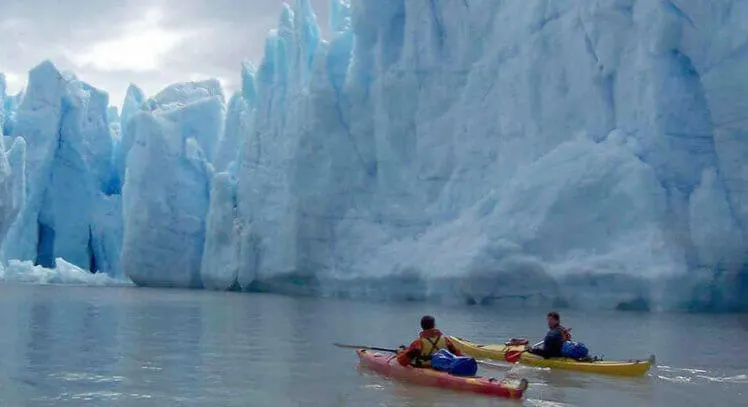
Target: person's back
[[430, 341]]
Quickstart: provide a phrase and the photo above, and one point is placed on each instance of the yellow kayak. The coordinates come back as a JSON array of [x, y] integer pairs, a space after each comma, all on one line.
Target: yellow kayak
[[497, 352]]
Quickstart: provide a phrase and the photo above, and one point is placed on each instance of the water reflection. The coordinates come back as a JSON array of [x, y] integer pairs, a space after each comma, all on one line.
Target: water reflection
[[161, 337], [40, 345], [136, 347]]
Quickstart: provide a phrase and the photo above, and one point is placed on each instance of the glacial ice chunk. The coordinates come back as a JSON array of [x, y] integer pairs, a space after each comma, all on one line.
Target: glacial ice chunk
[[38, 121], [166, 190], [64, 125], [63, 273]]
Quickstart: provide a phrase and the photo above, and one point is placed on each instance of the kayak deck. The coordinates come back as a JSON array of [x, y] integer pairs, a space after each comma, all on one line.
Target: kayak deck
[[387, 365], [497, 352]]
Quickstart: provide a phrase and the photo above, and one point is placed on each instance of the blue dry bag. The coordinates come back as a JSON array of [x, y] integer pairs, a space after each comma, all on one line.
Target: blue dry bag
[[574, 350], [445, 361]]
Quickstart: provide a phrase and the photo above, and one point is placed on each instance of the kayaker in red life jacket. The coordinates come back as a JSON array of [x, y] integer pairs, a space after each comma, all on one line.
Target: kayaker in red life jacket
[[429, 342], [554, 339]]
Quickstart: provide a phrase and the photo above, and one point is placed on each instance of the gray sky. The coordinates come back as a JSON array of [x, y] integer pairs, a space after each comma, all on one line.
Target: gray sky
[[152, 43]]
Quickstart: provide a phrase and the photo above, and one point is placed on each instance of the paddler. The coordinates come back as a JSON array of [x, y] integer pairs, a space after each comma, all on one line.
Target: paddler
[[554, 339], [430, 341]]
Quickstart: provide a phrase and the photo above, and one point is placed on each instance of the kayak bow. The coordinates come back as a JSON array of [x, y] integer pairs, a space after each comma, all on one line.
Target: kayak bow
[[499, 352]]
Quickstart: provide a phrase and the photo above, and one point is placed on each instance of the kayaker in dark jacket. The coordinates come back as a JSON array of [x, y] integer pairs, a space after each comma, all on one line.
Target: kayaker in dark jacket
[[554, 339], [430, 341]]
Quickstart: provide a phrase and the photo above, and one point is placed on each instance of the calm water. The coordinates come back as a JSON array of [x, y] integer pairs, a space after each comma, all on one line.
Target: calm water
[[139, 347]]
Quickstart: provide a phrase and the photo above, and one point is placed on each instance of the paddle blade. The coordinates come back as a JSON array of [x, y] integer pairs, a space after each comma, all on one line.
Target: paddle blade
[[513, 356]]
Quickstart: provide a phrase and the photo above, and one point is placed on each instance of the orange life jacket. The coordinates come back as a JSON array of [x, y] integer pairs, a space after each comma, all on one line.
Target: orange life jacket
[[429, 346]]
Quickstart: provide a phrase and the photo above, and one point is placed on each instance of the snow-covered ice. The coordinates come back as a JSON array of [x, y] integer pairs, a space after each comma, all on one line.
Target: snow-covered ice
[[62, 273]]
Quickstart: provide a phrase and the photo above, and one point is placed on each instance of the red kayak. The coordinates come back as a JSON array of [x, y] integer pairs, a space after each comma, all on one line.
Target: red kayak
[[387, 365]]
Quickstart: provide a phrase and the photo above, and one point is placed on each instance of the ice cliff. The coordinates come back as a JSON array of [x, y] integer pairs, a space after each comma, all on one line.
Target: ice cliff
[[64, 144], [584, 153], [578, 152]]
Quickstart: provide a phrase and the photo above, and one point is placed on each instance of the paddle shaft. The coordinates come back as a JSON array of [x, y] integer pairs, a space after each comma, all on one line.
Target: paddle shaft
[[513, 356], [342, 345]]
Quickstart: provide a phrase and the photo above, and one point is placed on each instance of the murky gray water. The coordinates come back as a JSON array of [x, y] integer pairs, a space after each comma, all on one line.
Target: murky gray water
[[140, 347]]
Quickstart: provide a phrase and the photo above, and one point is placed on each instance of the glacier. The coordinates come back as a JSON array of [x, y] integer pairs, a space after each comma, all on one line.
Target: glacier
[[569, 153]]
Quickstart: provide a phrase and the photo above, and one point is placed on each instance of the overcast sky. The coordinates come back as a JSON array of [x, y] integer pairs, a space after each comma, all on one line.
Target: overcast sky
[[152, 43]]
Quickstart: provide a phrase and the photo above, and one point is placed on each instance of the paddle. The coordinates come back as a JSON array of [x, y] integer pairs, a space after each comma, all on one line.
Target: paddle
[[513, 356], [342, 345]]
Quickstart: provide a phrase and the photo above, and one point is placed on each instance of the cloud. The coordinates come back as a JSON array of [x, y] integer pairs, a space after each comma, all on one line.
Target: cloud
[[140, 47], [13, 80], [151, 43]]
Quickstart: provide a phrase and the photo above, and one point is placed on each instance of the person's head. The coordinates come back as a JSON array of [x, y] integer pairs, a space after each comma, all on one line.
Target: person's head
[[553, 319], [428, 322]]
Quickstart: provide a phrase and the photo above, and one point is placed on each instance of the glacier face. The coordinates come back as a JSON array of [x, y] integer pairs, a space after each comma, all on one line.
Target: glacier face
[[587, 153], [448, 146]]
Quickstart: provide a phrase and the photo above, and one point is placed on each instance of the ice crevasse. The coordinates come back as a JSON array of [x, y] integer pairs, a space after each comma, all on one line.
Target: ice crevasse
[[583, 153]]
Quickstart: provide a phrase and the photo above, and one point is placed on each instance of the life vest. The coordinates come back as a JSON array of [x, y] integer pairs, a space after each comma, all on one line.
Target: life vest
[[429, 346], [565, 334]]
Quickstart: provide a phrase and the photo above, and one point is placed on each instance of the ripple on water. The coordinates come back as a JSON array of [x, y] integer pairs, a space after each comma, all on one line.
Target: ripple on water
[[545, 403], [676, 379], [87, 377], [738, 379], [686, 375], [96, 396], [151, 366]]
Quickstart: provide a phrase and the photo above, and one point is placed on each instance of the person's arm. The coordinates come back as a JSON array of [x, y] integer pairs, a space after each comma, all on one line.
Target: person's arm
[[406, 357], [452, 348]]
